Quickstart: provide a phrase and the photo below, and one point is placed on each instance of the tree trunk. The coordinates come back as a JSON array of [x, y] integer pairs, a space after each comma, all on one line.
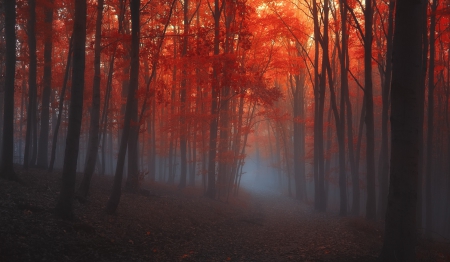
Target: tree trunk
[[92, 149], [430, 127], [299, 138], [386, 86], [32, 92], [114, 199], [42, 159], [6, 165], [371, 208], [213, 125], [400, 227], [64, 205], [183, 108]]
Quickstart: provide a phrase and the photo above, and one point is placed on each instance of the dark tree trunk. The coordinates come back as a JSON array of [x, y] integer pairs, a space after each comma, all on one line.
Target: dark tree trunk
[[92, 149], [60, 107], [423, 75], [430, 127], [299, 138], [319, 100], [371, 208], [355, 178], [213, 125], [6, 165], [32, 92], [42, 158], [114, 199], [183, 127], [386, 86], [64, 207], [400, 227]]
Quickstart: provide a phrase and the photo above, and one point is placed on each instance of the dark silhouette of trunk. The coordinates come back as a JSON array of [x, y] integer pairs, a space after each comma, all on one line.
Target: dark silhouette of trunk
[[400, 226], [339, 116], [60, 107], [355, 177], [32, 92], [424, 19], [213, 125], [299, 138], [104, 120], [92, 149], [42, 159], [183, 108], [386, 86], [319, 100], [6, 165], [430, 127], [2, 73], [64, 207], [114, 199], [371, 208]]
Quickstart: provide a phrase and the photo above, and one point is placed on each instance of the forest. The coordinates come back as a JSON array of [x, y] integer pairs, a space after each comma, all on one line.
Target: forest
[[336, 107]]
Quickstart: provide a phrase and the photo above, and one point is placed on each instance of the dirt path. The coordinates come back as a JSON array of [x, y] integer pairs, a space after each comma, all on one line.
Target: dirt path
[[173, 225]]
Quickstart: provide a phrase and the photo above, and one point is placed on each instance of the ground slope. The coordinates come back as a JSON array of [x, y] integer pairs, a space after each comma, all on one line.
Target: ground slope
[[167, 224]]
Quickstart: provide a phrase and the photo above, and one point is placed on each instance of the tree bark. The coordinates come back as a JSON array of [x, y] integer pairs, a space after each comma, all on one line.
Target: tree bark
[[213, 125], [92, 149], [114, 199], [64, 207], [60, 106], [42, 158], [371, 208], [386, 86], [32, 92], [400, 226], [430, 127], [6, 165]]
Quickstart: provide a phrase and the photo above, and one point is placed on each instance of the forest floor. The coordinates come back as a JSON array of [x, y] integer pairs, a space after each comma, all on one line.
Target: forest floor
[[179, 225]]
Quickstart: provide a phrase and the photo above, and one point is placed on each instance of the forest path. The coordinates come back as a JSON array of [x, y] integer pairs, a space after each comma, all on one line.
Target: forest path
[[169, 224]]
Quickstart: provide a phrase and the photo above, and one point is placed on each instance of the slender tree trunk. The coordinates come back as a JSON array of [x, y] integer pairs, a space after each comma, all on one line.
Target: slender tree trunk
[[371, 208], [64, 205], [114, 199], [183, 108], [430, 127], [400, 227], [424, 19], [92, 149], [32, 92], [213, 126], [6, 165], [386, 86], [42, 160], [355, 178], [299, 138], [60, 107]]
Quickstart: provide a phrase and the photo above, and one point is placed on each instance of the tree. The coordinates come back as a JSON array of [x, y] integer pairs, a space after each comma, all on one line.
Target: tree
[[371, 207], [114, 199], [400, 226], [6, 167], [64, 206], [32, 92], [213, 125], [91, 156], [430, 127], [42, 158]]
